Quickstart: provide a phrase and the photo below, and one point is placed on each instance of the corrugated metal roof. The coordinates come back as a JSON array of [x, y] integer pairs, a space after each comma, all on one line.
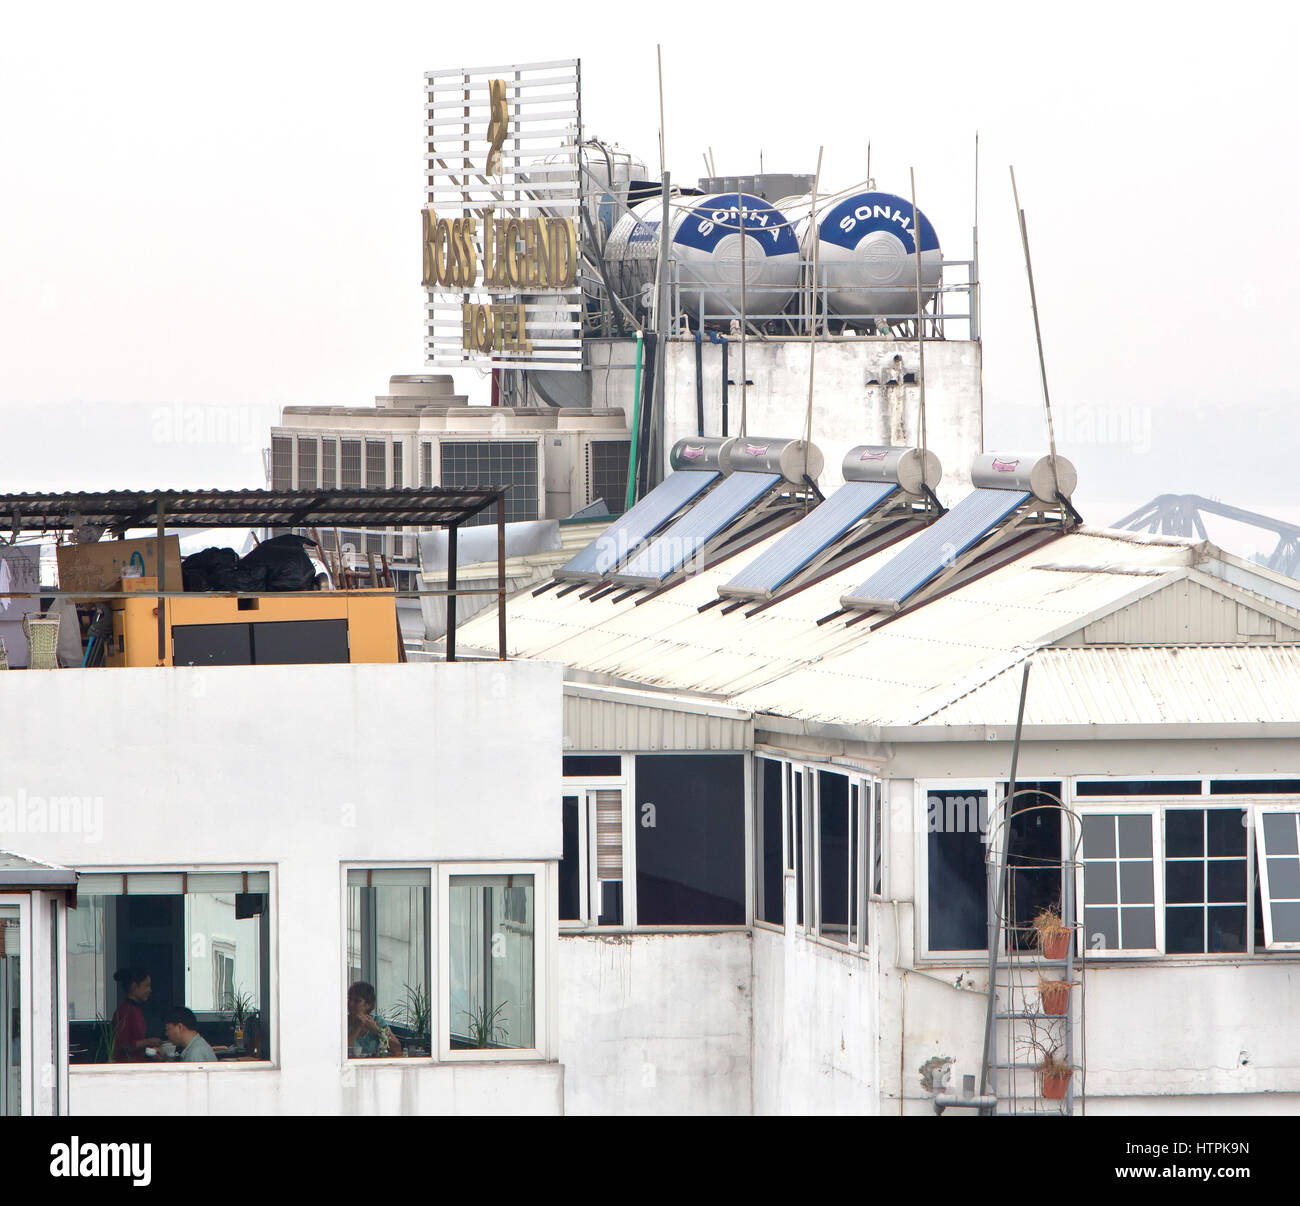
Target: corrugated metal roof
[[1193, 684], [781, 662]]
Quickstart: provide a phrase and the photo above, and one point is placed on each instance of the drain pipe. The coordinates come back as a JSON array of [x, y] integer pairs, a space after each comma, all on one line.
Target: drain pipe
[[699, 382], [636, 423], [723, 340]]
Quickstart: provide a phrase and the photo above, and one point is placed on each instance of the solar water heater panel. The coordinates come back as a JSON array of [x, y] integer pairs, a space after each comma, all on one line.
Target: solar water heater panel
[[935, 549], [670, 551], [800, 544], [634, 527]]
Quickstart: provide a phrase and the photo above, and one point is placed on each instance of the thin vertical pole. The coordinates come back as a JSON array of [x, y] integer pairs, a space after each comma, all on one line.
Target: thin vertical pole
[[744, 318], [501, 581], [812, 343], [451, 590], [920, 322], [654, 452], [162, 585]]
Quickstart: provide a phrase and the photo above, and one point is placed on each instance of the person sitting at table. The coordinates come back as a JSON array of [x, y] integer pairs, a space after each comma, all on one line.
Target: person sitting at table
[[182, 1028], [365, 1025], [130, 1032]]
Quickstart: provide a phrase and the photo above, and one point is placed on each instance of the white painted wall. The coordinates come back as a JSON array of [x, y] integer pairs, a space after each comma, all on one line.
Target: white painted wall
[[301, 768], [846, 410], [656, 1023]]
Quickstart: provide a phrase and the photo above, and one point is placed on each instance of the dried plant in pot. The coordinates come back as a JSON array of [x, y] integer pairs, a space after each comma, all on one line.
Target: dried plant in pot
[[1056, 1073], [1049, 933], [1055, 996]]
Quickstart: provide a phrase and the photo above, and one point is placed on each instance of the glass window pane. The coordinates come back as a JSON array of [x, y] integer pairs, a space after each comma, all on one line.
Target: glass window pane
[[1280, 832], [1286, 921], [1139, 928], [1227, 880], [1184, 931], [570, 871], [1284, 878], [1227, 929], [11, 1018], [877, 838], [690, 839], [1135, 836], [1103, 924], [389, 1002], [1137, 883], [1185, 882], [958, 892], [1226, 829], [1099, 883], [1184, 833], [491, 984], [771, 900], [834, 854], [796, 814], [1099, 836]]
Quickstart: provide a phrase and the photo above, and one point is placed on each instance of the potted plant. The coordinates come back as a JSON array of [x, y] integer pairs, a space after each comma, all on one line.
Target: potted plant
[[415, 1012], [1049, 933], [1055, 996], [238, 1004], [1056, 1075], [485, 1026]]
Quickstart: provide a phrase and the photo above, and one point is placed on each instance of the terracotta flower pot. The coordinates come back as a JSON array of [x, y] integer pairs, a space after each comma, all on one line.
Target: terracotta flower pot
[[1055, 998], [1055, 945], [1056, 1085]]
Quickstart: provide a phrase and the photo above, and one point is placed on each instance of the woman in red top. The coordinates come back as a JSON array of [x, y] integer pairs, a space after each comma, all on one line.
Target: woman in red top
[[129, 1031]]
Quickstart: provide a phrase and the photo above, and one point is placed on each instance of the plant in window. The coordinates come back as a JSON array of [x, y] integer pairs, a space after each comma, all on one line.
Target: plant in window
[[105, 1040], [238, 1004], [415, 1010], [486, 1028], [1049, 933]]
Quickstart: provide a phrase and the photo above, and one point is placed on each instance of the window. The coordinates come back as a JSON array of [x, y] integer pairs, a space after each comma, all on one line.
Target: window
[[690, 839], [1033, 838], [591, 869], [1119, 882], [388, 955], [1205, 880], [491, 962], [513, 463], [769, 786], [281, 463], [957, 890], [835, 856], [1278, 839], [165, 939], [306, 463]]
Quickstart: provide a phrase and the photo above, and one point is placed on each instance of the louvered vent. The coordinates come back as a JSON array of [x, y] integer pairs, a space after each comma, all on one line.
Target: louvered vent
[[609, 835]]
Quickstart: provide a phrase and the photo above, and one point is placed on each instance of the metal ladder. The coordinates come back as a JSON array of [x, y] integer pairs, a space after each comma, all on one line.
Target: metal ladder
[[1019, 1033]]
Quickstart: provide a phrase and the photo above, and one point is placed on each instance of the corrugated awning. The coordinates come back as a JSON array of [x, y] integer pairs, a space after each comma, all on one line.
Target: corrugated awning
[[120, 510]]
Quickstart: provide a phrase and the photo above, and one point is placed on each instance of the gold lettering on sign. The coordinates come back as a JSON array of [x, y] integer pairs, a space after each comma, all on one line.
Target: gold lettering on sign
[[498, 125], [498, 329], [450, 257]]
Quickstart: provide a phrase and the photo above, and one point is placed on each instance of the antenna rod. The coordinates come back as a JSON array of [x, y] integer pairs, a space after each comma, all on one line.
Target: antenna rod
[[1038, 333], [659, 50], [920, 325], [744, 315], [812, 346], [869, 181]]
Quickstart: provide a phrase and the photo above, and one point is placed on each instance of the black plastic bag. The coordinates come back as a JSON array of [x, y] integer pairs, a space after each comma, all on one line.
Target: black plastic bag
[[212, 569], [284, 561]]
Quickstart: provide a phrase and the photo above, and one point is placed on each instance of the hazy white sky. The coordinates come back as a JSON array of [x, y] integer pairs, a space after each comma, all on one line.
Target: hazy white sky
[[219, 204]]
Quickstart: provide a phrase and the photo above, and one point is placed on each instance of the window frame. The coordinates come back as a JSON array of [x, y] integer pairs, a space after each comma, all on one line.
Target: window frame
[[1155, 819], [26, 1005], [242, 1067], [584, 787], [922, 790], [1259, 810], [545, 912]]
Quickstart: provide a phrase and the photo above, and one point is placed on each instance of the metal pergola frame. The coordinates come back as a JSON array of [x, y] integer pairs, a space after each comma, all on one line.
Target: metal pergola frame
[[119, 511]]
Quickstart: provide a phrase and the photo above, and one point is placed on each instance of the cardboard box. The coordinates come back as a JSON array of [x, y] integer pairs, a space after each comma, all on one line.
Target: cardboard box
[[88, 567]]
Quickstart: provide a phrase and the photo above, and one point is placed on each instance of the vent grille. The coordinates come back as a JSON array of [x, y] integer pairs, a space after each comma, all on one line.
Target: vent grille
[[607, 473], [281, 463], [513, 463], [609, 835]]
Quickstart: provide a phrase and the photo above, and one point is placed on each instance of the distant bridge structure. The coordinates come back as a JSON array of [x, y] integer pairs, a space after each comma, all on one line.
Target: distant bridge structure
[[1180, 515]]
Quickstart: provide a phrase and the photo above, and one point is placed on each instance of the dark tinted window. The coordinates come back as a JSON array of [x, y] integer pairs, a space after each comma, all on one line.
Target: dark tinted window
[[1205, 880], [570, 871], [1033, 856], [958, 909], [690, 839], [590, 766], [771, 900], [1138, 787], [1253, 787], [833, 838]]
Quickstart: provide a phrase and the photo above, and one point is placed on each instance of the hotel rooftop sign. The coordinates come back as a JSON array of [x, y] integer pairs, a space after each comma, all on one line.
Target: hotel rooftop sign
[[500, 225]]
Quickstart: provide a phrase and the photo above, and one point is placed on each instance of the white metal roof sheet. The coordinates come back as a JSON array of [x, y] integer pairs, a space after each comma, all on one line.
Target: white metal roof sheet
[[1194, 684], [781, 662]]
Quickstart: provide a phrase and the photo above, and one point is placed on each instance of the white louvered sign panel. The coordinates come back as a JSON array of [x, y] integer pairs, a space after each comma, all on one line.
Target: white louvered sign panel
[[501, 224]]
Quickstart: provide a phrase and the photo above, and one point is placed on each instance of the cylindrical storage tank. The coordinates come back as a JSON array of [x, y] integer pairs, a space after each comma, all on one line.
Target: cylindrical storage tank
[[706, 245], [701, 452], [866, 255], [1030, 471], [903, 466], [790, 458]]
